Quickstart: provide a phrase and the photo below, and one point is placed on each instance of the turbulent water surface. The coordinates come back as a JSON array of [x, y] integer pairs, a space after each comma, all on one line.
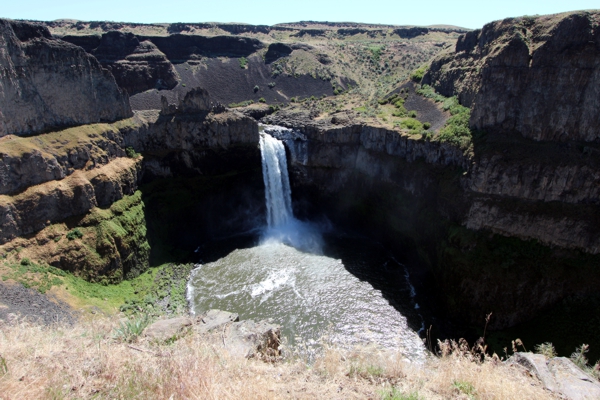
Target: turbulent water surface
[[348, 289]]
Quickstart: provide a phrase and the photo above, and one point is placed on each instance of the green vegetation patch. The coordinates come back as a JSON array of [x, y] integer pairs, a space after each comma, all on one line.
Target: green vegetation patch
[[414, 126], [418, 74], [456, 130], [39, 276], [109, 244]]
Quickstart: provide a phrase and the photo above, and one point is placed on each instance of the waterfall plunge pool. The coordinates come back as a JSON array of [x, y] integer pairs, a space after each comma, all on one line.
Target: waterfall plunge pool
[[315, 284]]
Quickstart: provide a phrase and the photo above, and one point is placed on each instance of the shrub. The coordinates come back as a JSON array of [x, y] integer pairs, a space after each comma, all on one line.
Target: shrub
[[426, 125], [546, 349], [243, 62], [428, 92], [74, 234], [131, 153], [262, 100], [417, 75], [414, 126], [130, 330], [26, 262], [271, 85], [412, 114], [256, 88]]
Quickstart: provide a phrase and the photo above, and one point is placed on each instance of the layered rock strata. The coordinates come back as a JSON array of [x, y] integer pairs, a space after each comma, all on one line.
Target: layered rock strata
[[47, 83], [538, 77]]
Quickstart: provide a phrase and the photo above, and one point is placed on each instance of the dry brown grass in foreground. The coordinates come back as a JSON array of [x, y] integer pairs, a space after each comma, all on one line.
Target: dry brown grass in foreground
[[85, 361]]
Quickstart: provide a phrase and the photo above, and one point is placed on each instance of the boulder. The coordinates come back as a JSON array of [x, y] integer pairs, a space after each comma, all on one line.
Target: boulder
[[559, 375], [214, 319], [253, 339], [166, 329]]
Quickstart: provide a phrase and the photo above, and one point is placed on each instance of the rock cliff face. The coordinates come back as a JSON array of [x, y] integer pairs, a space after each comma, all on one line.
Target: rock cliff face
[[509, 227], [74, 178], [534, 76], [47, 83], [137, 65]]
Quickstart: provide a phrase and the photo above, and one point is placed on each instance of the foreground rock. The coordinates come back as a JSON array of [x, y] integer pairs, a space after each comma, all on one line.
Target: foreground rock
[[240, 338], [559, 375], [167, 329]]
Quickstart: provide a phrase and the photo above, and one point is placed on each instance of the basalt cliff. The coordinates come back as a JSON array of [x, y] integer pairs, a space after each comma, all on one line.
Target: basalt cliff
[[506, 222]]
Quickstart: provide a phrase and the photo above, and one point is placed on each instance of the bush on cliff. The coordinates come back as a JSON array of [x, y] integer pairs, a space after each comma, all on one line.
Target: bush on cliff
[[417, 75]]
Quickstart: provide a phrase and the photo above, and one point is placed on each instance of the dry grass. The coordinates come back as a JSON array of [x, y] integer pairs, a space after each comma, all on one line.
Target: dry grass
[[86, 361]]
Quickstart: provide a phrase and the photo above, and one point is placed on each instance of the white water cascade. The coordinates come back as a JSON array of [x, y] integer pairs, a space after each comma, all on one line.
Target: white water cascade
[[278, 195], [282, 227]]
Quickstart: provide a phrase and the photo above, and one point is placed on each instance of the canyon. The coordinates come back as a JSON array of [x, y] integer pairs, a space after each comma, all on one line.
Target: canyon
[[120, 132]]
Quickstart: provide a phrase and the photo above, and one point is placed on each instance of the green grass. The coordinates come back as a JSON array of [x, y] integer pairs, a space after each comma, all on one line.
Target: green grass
[[466, 388], [418, 74], [243, 62], [41, 277]]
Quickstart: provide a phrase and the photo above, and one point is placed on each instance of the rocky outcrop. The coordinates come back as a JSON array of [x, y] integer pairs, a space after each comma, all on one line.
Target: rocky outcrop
[[178, 47], [247, 339], [559, 375], [47, 203], [276, 51], [137, 65], [534, 76], [48, 83], [29, 161]]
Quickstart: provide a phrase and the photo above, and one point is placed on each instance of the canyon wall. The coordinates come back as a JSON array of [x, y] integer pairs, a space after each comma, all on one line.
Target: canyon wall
[[538, 77], [508, 225], [47, 83], [490, 232], [87, 179]]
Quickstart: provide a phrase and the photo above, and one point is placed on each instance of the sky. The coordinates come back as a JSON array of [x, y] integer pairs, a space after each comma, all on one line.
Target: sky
[[465, 13]]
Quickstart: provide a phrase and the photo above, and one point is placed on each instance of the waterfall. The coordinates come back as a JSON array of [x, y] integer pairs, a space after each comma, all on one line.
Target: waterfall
[[277, 183], [282, 227]]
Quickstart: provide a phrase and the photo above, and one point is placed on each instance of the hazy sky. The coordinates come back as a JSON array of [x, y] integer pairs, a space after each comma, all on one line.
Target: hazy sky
[[467, 13]]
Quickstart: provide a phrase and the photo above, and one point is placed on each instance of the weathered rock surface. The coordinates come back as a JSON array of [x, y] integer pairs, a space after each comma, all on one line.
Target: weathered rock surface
[[253, 339], [534, 76], [240, 338], [414, 193], [49, 178], [54, 201], [559, 375], [137, 65], [48, 83], [214, 319], [167, 329]]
